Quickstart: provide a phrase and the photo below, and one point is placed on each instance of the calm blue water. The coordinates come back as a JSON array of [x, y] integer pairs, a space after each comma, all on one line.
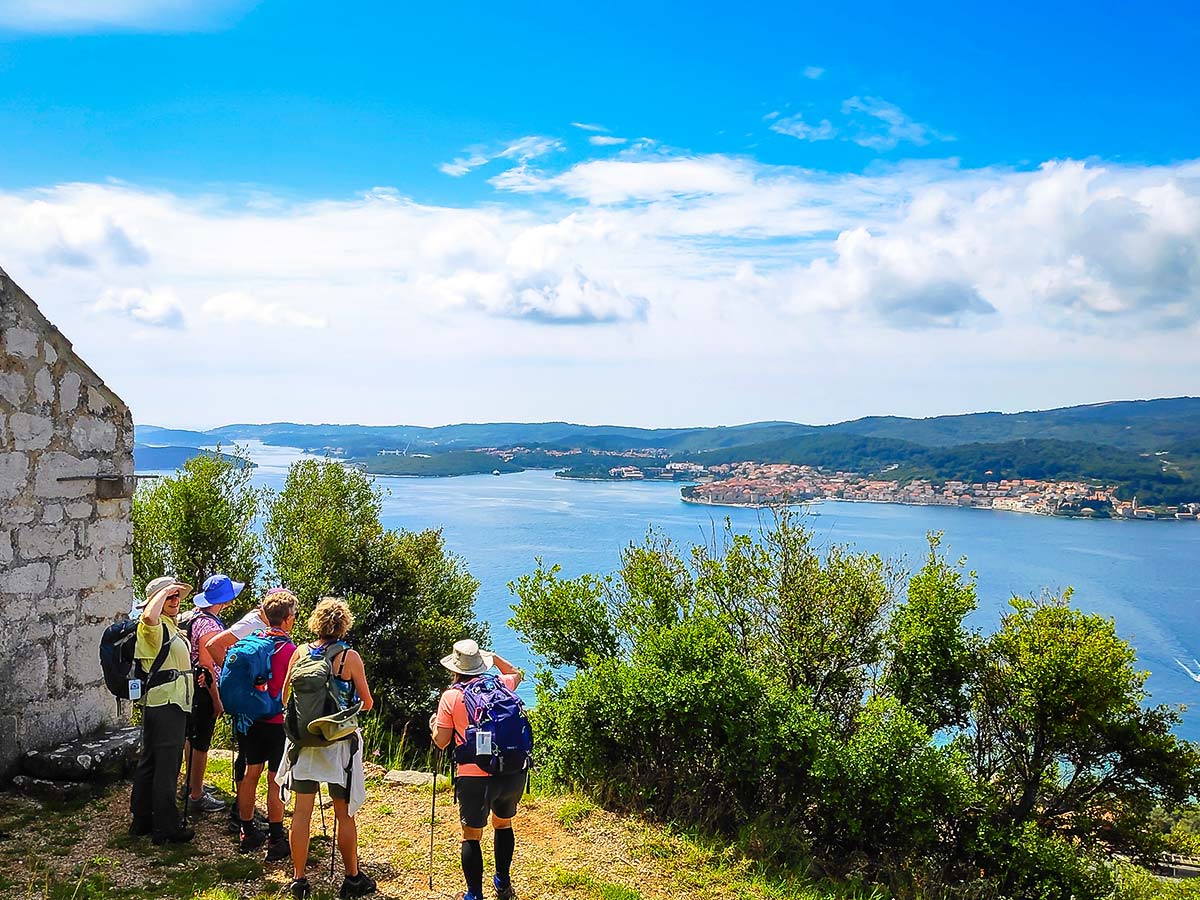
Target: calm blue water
[[1142, 574]]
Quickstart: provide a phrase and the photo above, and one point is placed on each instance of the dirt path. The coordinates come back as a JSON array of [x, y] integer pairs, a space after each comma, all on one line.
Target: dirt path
[[565, 849]]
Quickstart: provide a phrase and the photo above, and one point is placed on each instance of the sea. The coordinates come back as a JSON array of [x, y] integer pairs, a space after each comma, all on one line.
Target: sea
[[1142, 575]]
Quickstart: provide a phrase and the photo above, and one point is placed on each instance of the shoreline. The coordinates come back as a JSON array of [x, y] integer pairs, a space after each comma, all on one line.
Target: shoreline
[[1023, 512]]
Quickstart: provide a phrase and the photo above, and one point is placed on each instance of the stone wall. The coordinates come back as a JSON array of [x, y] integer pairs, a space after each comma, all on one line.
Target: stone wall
[[66, 562]]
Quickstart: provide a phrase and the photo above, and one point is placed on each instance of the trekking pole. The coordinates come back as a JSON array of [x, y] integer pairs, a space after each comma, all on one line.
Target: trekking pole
[[187, 782], [432, 813]]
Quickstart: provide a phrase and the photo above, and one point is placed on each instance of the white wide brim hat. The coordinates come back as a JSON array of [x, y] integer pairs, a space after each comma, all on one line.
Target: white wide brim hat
[[467, 659]]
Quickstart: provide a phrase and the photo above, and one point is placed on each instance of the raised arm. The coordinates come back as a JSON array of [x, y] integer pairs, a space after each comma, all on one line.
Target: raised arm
[[219, 644], [507, 668]]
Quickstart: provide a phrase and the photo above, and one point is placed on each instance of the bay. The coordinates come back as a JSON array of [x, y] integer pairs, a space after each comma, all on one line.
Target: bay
[[1141, 574]]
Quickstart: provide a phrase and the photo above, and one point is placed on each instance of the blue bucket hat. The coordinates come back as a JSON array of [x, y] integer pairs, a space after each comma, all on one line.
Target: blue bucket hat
[[217, 589]]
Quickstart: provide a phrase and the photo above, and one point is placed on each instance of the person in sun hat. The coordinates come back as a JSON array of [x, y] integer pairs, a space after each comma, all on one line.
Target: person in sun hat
[[161, 649], [203, 624], [478, 791]]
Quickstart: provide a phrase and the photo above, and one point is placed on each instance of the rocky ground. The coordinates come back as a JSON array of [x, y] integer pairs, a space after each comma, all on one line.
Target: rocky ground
[[566, 848]]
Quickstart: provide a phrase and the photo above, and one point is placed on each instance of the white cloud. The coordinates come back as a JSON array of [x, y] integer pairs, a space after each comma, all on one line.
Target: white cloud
[[795, 126], [606, 140], [158, 308], [673, 269], [239, 307], [584, 126], [813, 72], [522, 150], [133, 15], [898, 127]]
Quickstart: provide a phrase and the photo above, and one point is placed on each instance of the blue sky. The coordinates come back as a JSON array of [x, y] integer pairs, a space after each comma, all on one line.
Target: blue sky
[[479, 212]]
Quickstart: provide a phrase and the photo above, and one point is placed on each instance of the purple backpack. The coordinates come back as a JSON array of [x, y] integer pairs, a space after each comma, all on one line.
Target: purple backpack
[[498, 739]]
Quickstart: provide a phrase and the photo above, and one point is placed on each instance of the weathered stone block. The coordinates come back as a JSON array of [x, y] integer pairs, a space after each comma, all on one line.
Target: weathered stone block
[[13, 388], [55, 465], [110, 568], [96, 401], [30, 676], [87, 759], [28, 579], [30, 432], [52, 513], [20, 342], [14, 514], [81, 659], [6, 546], [39, 541], [43, 386], [106, 606], [68, 392], [89, 434], [49, 354], [14, 474], [114, 533], [80, 509], [414, 778], [117, 508], [76, 574]]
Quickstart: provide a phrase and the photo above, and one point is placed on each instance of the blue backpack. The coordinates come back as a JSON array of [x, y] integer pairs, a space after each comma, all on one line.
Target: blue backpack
[[498, 739], [244, 680]]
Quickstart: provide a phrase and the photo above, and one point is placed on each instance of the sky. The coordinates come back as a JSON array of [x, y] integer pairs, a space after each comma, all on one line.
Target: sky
[[643, 214]]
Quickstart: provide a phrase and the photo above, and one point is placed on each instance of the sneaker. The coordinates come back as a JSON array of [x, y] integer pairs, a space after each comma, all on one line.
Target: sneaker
[[301, 889], [180, 835], [358, 886], [278, 848], [251, 839], [206, 804], [505, 891], [141, 827]]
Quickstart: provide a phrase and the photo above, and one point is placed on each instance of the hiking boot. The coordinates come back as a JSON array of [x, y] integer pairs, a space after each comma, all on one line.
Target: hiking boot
[[278, 848], [251, 839], [141, 827], [301, 889], [358, 886], [235, 819], [180, 835], [503, 891], [206, 804]]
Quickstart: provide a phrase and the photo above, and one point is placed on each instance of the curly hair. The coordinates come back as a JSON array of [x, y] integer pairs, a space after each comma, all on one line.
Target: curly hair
[[278, 605], [331, 619]]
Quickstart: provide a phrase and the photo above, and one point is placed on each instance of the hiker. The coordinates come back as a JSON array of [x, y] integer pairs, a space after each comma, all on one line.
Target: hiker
[[251, 686], [326, 669], [477, 790], [203, 625], [217, 647], [162, 653]]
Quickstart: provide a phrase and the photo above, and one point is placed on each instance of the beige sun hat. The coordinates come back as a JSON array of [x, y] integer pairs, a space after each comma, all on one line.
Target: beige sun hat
[[158, 584], [467, 659]]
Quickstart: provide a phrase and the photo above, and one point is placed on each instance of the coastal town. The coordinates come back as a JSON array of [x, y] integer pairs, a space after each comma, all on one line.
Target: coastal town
[[757, 484]]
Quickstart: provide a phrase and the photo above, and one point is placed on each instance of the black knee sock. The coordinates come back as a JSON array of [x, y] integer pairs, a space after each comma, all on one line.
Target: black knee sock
[[472, 865], [505, 843], [247, 825], [275, 829]]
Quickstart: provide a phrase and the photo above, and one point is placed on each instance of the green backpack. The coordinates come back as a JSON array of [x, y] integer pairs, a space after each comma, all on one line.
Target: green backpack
[[315, 715]]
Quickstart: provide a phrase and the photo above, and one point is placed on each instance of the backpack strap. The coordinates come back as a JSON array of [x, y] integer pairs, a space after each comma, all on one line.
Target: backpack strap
[[160, 659]]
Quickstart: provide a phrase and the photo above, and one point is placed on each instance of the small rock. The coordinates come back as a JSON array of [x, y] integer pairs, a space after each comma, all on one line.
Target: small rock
[[413, 777]]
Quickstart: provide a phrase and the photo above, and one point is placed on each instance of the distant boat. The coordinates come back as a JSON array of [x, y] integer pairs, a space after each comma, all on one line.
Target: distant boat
[[495, 471]]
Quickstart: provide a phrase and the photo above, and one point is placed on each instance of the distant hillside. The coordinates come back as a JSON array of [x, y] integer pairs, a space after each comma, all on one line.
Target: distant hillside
[[1151, 447], [154, 459]]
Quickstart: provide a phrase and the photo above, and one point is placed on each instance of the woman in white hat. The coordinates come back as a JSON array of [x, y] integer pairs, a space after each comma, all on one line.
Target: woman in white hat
[[478, 792], [163, 654]]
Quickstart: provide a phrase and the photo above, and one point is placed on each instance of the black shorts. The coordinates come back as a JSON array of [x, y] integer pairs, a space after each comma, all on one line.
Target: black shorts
[[201, 721], [263, 743], [479, 794]]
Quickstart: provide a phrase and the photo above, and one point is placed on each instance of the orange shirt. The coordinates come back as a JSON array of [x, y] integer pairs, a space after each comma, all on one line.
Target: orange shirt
[[452, 713]]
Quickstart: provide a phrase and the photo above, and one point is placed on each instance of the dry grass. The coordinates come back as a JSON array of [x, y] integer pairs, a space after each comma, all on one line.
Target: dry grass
[[567, 849]]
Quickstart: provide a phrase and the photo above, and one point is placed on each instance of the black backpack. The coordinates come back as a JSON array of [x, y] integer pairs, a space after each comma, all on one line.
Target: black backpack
[[118, 663]]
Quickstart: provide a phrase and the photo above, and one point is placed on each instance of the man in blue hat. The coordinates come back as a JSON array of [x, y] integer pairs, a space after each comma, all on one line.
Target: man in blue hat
[[203, 625]]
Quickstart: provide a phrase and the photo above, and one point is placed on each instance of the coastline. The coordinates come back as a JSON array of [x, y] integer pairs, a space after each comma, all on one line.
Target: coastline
[[1023, 512]]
